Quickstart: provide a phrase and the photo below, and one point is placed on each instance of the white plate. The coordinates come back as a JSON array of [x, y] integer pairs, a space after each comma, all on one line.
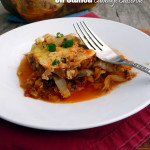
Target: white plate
[[122, 102]]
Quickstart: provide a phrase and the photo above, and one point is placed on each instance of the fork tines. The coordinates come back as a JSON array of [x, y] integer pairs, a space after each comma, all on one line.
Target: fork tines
[[88, 36]]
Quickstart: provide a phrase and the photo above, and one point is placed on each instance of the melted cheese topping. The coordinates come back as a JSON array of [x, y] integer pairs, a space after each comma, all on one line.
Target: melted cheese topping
[[73, 56]]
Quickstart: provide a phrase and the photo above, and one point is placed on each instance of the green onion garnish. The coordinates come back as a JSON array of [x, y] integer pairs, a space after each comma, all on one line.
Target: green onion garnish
[[51, 47], [85, 37], [56, 62], [59, 35], [68, 43]]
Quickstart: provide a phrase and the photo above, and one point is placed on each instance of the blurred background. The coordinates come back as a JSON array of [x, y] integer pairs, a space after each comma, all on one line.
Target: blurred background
[[136, 15]]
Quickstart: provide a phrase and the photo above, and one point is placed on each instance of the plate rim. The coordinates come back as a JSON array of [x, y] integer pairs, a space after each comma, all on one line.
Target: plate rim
[[25, 25], [84, 127]]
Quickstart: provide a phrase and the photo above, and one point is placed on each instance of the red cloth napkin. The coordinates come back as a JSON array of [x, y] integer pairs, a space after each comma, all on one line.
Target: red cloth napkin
[[90, 15], [126, 134]]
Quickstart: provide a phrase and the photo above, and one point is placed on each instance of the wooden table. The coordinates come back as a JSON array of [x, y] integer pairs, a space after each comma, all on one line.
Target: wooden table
[[135, 15]]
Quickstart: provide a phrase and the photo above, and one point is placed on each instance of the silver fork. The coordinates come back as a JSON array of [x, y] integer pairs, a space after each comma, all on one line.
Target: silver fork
[[103, 51]]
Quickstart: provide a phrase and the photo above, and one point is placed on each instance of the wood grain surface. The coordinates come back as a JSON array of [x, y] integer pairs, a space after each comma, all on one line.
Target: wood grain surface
[[135, 15]]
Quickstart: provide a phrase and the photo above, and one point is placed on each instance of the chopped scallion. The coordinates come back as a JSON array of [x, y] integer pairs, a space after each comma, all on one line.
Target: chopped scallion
[[56, 62], [51, 47], [59, 35], [67, 43]]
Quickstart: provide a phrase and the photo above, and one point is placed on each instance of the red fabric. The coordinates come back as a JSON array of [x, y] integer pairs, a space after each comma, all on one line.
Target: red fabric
[[90, 15], [126, 134]]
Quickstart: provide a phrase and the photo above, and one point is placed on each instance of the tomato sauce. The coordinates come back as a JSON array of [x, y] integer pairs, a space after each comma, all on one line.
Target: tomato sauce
[[86, 93]]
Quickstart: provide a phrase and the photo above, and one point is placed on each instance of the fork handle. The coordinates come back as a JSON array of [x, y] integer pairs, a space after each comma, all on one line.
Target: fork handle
[[140, 67]]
